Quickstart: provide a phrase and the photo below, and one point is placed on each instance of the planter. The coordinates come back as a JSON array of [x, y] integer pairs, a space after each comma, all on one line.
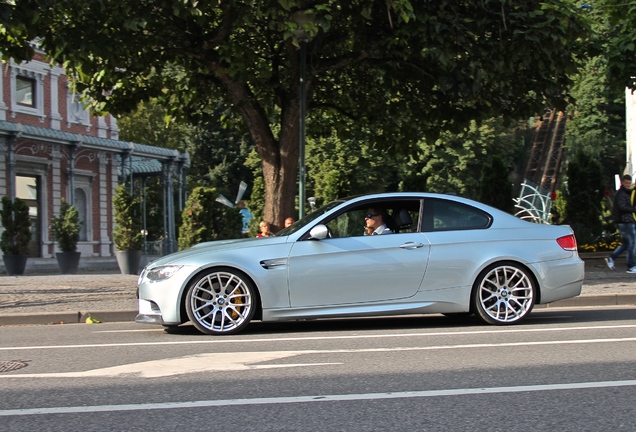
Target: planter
[[14, 264], [128, 261], [68, 262]]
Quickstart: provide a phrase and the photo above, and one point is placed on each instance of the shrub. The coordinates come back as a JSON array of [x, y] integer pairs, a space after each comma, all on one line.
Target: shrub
[[127, 232], [204, 219], [17, 227], [66, 227]]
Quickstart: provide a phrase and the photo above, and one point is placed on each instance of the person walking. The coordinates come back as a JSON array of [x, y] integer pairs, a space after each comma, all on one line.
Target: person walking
[[623, 212]]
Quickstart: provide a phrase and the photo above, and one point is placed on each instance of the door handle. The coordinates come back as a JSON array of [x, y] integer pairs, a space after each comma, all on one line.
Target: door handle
[[411, 245]]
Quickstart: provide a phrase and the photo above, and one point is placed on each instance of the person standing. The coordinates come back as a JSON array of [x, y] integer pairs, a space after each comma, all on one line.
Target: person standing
[[289, 221], [265, 229], [623, 212]]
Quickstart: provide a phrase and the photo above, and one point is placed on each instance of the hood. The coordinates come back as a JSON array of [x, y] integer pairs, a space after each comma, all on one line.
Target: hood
[[216, 246]]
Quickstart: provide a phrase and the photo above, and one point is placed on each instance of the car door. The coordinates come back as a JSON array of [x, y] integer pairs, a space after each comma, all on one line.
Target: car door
[[356, 268]]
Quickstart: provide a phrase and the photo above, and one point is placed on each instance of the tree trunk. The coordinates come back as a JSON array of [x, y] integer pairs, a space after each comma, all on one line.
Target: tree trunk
[[279, 158]]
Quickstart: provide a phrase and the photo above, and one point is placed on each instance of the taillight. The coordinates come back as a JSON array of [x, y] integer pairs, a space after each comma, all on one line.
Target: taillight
[[567, 242]]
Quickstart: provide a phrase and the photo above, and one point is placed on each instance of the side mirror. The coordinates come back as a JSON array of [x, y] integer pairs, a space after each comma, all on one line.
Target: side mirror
[[319, 232]]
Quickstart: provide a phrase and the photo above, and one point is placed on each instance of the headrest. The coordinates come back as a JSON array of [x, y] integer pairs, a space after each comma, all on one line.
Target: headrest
[[403, 219]]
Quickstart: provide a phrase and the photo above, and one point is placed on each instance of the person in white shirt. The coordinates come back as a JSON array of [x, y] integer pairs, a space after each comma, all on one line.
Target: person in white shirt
[[375, 222]]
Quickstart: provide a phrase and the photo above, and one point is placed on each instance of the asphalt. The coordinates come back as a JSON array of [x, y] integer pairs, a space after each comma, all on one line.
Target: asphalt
[[107, 296]]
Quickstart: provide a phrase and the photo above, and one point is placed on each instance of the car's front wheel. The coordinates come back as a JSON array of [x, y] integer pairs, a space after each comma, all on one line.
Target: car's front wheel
[[221, 301], [504, 293]]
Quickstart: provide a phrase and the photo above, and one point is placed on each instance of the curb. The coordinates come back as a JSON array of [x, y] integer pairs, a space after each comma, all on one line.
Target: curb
[[66, 317], [129, 315]]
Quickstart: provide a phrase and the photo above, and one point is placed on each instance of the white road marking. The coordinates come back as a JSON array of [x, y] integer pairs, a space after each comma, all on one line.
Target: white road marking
[[216, 362], [212, 340], [237, 361], [312, 399]]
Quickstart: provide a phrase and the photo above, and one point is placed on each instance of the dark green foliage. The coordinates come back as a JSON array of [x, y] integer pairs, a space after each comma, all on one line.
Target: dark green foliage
[[204, 219], [127, 232], [584, 196], [218, 153], [66, 227], [495, 186], [401, 68], [596, 120], [454, 161], [17, 227]]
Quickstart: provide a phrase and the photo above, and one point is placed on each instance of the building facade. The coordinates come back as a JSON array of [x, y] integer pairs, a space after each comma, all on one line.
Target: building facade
[[53, 148]]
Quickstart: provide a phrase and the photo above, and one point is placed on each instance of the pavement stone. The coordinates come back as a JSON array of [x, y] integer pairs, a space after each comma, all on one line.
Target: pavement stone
[[109, 296]]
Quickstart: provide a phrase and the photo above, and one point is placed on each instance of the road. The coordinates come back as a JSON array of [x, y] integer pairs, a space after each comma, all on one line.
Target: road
[[563, 369]]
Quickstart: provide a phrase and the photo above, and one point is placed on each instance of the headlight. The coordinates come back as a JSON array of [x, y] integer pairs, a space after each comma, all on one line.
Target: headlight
[[162, 273]]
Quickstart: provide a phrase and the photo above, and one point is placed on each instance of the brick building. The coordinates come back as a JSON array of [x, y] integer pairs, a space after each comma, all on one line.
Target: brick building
[[53, 148]]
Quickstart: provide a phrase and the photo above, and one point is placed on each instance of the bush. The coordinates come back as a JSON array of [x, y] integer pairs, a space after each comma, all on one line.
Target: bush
[[66, 227], [127, 232], [204, 219], [17, 227]]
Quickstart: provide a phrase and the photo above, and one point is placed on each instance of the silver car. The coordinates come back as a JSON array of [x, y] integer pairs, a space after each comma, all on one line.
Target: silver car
[[443, 254]]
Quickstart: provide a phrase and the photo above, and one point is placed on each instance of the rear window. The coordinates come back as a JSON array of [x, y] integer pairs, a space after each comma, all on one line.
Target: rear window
[[444, 215]]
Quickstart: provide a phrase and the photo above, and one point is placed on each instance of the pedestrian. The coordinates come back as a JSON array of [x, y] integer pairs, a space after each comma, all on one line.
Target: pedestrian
[[265, 229], [623, 213], [289, 221]]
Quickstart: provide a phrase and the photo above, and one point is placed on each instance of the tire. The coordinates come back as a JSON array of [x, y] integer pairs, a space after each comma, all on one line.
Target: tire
[[221, 301], [504, 293]]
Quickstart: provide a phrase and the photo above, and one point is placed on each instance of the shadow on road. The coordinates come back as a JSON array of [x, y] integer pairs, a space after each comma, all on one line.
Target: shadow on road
[[424, 322]]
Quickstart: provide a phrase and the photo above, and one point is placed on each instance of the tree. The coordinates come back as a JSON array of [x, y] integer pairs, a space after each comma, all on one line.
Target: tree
[[596, 120], [400, 67], [205, 220], [584, 197], [454, 162], [495, 186]]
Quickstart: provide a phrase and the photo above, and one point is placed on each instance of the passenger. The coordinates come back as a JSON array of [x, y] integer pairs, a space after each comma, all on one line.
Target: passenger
[[265, 229], [375, 221]]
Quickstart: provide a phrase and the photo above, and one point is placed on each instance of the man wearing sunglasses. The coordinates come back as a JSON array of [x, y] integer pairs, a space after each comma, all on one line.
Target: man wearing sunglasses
[[375, 222]]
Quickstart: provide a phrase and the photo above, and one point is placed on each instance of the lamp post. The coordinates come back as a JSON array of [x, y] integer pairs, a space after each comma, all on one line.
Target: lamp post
[[301, 144], [301, 18]]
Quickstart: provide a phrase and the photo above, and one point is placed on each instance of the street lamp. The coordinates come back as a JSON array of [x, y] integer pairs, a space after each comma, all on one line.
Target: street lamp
[[301, 18], [301, 144]]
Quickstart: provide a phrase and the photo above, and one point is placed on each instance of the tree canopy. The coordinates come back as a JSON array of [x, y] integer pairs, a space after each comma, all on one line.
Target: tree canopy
[[400, 68]]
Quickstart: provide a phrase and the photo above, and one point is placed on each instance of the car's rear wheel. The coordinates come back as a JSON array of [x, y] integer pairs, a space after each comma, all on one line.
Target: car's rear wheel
[[221, 301], [504, 293]]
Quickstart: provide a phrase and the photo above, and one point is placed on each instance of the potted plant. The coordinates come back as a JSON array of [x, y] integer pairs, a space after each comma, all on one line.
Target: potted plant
[[16, 236], [127, 235], [66, 228]]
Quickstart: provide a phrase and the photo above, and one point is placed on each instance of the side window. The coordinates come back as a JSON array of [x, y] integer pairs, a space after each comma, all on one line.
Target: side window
[[405, 218], [444, 215], [400, 216], [348, 224]]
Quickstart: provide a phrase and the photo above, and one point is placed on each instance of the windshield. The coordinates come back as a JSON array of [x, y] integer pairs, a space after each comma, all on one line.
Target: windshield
[[308, 219]]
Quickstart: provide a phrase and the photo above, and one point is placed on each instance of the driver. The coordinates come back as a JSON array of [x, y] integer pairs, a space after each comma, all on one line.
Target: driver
[[375, 222]]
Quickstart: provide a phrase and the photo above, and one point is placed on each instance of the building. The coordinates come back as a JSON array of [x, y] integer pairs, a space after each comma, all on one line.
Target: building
[[53, 148]]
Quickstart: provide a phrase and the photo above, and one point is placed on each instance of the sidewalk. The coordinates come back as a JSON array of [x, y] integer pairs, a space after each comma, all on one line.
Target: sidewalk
[[110, 296]]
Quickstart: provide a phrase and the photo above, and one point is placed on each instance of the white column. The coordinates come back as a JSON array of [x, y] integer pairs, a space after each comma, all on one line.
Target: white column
[[56, 189], [56, 118], [3, 106], [101, 127], [104, 200]]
